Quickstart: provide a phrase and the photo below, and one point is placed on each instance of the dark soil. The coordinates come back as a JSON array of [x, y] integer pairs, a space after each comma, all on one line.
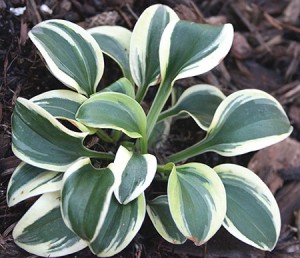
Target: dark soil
[[265, 55]]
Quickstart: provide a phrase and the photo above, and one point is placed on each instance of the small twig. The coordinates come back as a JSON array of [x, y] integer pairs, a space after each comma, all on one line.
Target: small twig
[[280, 25], [125, 17], [8, 230], [225, 74], [274, 22], [32, 6], [135, 16], [272, 42], [288, 92], [293, 66], [23, 32], [16, 94], [7, 172], [197, 11], [250, 26], [297, 222]]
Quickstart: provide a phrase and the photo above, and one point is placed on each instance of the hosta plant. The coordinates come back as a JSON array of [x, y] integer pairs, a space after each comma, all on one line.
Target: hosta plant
[[95, 197]]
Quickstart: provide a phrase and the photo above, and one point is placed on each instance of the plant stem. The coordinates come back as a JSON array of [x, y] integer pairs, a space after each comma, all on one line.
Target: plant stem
[[100, 155], [116, 135], [164, 91], [194, 150], [165, 114], [104, 136], [162, 169], [141, 92], [143, 145]]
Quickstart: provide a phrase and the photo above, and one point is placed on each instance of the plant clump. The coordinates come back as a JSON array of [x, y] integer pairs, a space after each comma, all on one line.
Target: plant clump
[[103, 208]]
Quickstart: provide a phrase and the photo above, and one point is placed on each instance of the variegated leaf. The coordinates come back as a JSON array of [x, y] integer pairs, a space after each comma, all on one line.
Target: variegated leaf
[[28, 181], [114, 111], [62, 104], [135, 173], [252, 212], [114, 42], [199, 101], [119, 227], [144, 46], [160, 215], [122, 85], [40, 140], [41, 231], [197, 201], [85, 197], [71, 53], [188, 49], [245, 121]]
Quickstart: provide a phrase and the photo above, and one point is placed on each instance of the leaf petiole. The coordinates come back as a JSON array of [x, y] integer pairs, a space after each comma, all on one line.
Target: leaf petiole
[[104, 136], [141, 92], [194, 150], [164, 91]]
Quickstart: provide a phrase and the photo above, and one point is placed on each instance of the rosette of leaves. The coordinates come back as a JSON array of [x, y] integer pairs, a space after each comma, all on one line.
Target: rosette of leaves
[[82, 205]]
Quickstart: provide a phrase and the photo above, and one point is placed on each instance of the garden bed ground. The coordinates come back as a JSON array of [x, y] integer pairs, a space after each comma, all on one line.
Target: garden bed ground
[[265, 55]]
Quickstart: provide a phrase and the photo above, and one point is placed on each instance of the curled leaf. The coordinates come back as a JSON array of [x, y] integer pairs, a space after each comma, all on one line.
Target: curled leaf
[[198, 101], [114, 111], [120, 226], [114, 42], [82, 65], [40, 140], [188, 49], [144, 46], [245, 121]]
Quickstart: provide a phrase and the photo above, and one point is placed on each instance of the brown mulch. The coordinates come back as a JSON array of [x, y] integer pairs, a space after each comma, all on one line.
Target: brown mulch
[[265, 55]]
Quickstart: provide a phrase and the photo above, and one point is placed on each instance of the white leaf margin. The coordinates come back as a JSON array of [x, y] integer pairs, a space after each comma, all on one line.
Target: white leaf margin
[[204, 65], [70, 82], [41, 207], [39, 185], [137, 54], [241, 97], [118, 167], [261, 190], [42, 112]]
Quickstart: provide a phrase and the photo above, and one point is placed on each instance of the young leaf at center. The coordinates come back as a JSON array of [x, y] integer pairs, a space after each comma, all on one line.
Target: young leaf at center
[[122, 85], [114, 111], [135, 173]]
